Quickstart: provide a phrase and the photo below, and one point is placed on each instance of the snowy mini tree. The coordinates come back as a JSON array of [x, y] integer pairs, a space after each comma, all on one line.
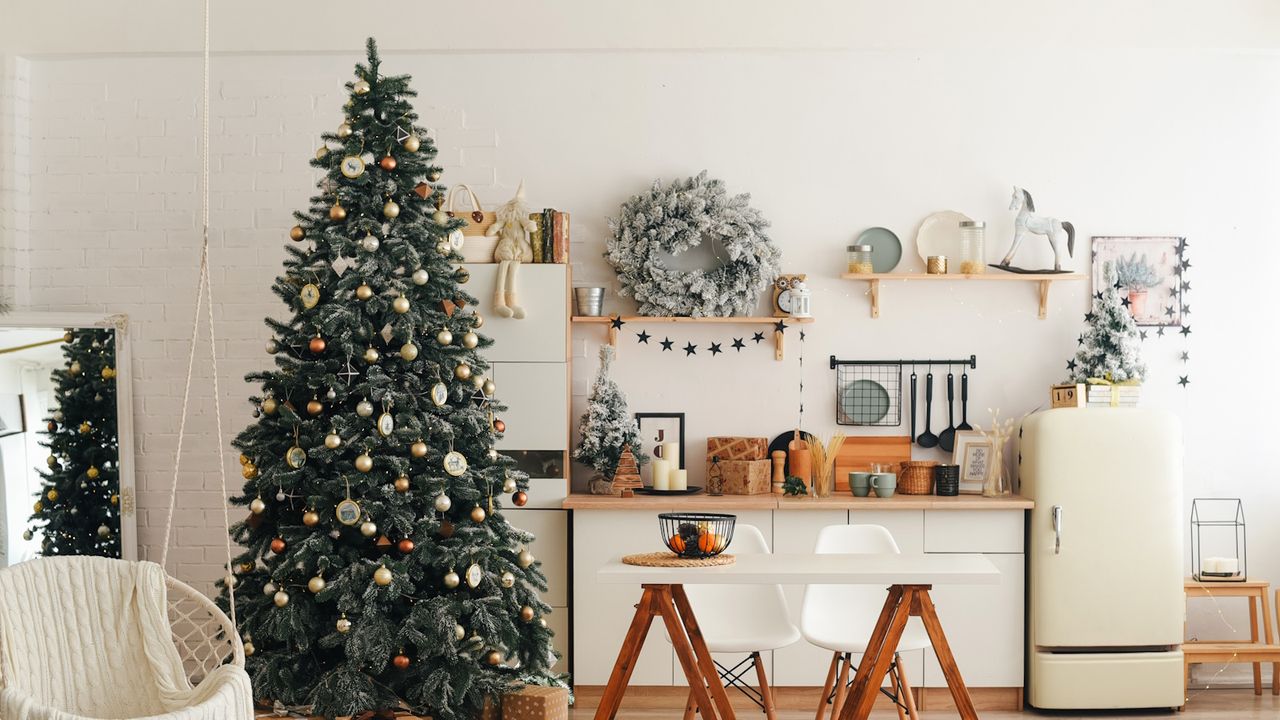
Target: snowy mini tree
[[1109, 346], [608, 426]]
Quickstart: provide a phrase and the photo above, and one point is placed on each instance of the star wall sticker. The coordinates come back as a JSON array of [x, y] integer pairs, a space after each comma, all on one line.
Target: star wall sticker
[[1173, 291], [1185, 356], [666, 344], [802, 336], [738, 344], [690, 349], [1186, 264], [1080, 340], [1142, 334], [1184, 381], [758, 337], [1097, 295], [1182, 245], [1071, 366], [1186, 330], [1124, 301], [715, 349], [780, 326], [1186, 286], [643, 337], [1160, 331], [1089, 316], [1186, 309], [1168, 310], [617, 322], [1117, 286]]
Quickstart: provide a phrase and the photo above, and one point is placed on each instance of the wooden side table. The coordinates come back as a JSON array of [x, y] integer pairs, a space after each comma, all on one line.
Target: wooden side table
[[1260, 647]]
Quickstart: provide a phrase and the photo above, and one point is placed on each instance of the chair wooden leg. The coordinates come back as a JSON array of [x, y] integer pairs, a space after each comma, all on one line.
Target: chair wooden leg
[[766, 692], [828, 686], [1253, 635], [1269, 637], [908, 698], [690, 707], [842, 686], [897, 691]]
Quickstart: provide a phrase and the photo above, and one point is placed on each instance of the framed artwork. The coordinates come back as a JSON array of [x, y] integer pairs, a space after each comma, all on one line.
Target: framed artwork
[[659, 428], [1149, 273], [973, 453]]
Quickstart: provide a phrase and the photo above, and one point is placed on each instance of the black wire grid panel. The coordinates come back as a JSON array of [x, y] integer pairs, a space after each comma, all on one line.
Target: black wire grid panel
[[869, 394]]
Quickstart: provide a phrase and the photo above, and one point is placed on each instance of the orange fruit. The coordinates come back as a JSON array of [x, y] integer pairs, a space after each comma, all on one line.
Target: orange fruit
[[677, 543], [708, 542]]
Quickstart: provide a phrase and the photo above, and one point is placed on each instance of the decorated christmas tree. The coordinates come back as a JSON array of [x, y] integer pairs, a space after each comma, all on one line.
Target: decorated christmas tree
[[77, 512], [607, 427], [1109, 346], [379, 572]]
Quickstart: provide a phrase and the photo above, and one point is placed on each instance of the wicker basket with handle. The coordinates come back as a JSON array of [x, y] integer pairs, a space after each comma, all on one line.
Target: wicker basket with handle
[[916, 477]]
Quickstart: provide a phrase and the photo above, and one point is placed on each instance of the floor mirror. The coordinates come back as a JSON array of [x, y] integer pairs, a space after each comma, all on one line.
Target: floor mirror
[[66, 437]]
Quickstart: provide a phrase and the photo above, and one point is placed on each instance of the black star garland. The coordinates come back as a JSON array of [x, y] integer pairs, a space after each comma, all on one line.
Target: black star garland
[[758, 337], [1186, 286], [643, 337], [780, 326], [1186, 330], [690, 349], [1142, 334], [666, 344], [738, 344], [1185, 356], [617, 322], [1186, 309], [1071, 365], [1124, 301], [1184, 381], [1168, 310], [715, 349]]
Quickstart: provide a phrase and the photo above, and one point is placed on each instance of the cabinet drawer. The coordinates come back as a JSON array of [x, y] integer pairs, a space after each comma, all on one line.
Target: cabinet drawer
[[537, 400], [984, 628], [906, 527], [973, 531], [551, 546], [540, 335]]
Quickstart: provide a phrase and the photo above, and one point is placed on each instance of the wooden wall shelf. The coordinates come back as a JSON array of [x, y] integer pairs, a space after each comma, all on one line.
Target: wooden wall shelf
[[648, 320], [1042, 281]]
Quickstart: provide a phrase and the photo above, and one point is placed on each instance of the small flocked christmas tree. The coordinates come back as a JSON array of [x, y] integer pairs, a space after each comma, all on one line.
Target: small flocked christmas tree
[[1109, 347], [607, 427], [379, 572], [78, 509]]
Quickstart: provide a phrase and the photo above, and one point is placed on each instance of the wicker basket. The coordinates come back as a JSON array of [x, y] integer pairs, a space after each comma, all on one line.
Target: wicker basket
[[916, 477]]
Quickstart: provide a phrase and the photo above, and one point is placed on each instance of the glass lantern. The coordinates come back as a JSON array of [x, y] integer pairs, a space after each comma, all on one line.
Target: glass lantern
[[1218, 540]]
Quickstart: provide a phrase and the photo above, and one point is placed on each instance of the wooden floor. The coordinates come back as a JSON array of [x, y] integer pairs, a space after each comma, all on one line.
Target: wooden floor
[[1204, 705]]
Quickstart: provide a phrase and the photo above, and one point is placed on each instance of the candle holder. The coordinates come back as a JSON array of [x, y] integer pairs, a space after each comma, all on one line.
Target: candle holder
[[1218, 540]]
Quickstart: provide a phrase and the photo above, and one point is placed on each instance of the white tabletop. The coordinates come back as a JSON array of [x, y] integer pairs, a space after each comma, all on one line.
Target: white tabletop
[[804, 569]]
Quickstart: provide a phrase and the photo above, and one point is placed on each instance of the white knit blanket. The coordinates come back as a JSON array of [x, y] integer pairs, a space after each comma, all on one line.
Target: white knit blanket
[[88, 638]]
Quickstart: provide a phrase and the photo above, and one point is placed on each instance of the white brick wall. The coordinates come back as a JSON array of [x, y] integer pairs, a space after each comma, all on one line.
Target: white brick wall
[[15, 178]]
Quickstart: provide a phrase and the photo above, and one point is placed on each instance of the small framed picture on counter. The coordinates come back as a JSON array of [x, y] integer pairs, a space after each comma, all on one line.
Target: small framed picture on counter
[[973, 454], [662, 436]]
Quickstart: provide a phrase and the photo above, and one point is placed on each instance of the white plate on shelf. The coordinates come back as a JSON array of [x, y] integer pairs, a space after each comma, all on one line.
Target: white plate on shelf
[[939, 234]]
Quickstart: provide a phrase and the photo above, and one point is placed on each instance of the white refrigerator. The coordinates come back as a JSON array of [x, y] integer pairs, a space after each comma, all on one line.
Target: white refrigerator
[[1105, 605]]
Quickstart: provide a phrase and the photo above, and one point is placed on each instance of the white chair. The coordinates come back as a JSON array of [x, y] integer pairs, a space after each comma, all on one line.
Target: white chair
[[747, 619], [841, 618]]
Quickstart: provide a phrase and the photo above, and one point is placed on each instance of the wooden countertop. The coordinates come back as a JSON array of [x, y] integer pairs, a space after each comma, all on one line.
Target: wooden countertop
[[845, 501]]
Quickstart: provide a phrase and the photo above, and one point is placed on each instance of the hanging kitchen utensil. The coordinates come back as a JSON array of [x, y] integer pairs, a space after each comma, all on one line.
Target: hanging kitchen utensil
[[927, 439], [964, 402], [947, 440], [913, 402]]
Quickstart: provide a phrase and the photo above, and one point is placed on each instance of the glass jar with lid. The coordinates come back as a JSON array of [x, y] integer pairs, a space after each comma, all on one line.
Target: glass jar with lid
[[973, 254], [860, 259]]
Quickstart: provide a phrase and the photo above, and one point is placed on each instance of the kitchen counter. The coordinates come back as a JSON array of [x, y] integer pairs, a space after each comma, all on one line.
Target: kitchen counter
[[767, 502]]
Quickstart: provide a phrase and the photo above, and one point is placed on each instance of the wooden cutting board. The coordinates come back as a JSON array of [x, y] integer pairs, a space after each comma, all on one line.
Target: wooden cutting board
[[857, 454]]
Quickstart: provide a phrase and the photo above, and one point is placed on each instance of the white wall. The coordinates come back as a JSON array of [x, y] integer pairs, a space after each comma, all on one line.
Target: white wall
[[1135, 118]]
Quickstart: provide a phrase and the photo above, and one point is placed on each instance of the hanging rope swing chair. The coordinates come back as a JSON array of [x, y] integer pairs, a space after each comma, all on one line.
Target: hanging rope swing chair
[[87, 638]]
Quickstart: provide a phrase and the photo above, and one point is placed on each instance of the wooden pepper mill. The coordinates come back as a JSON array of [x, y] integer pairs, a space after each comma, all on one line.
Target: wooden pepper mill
[[779, 458]]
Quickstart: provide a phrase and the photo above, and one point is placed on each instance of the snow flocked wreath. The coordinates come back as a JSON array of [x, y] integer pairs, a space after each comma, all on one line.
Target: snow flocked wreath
[[673, 218]]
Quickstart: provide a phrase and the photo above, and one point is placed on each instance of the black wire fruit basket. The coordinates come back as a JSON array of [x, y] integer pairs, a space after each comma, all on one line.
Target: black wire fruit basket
[[696, 535]]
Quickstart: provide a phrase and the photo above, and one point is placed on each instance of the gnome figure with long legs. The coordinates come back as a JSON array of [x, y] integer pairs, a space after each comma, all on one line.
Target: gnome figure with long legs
[[512, 227]]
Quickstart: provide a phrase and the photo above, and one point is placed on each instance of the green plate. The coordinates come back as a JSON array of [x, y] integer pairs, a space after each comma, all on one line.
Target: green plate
[[886, 248], [864, 402]]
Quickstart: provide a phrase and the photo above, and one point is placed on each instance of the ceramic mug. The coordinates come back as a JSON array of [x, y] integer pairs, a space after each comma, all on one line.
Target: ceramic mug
[[884, 484], [860, 483]]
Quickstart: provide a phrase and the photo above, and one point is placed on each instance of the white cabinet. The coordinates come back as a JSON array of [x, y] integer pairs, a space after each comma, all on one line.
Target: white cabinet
[[984, 628], [973, 531], [541, 336], [550, 546], [537, 398]]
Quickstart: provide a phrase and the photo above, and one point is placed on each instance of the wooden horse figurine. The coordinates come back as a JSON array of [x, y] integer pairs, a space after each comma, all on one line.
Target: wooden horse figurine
[[512, 226], [1028, 222]]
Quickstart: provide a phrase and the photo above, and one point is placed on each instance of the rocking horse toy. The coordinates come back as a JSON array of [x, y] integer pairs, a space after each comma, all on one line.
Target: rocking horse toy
[[1028, 222]]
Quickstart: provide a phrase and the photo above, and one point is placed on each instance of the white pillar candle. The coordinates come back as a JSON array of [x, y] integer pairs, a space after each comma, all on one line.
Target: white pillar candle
[[679, 480], [661, 472], [671, 453]]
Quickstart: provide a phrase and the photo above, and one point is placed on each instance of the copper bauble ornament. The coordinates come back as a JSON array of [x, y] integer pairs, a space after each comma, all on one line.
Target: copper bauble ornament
[[257, 507], [443, 503], [314, 407], [278, 545], [360, 87], [446, 528], [478, 514], [382, 576], [470, 340], [364, 463], [444, 337], [391, 210], [311, 518], [317, 345], [296, 233], [494, 657], [420, 277], [418, 449], [520, 499], [526, 613], [52, 426], [337, 213], [92, 472], [409, 352], [281, 598], [402, 484], [462, 371], [343, 625], [451, 580], [371, 356], [316, 584], [364, 292], [412, 143], [400, 305], [405, 546], [387, 163], [499, 426], [333, 441], [401, 662]]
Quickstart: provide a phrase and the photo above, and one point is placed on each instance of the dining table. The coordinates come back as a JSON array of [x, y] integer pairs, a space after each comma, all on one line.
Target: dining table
[[908, 578]]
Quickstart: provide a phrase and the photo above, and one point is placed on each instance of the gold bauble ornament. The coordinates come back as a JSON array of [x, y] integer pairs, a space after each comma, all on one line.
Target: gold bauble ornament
[[364, 408], [492, 454], [382, 576], [443, 503], [257, 507], [364, 463], [92, 473], [38, 507], [52, 495], [477, 320], [322, 151], [409, 351], [249, 649], [344, 130], [489, 388], [451, 580], [315, 584], [478, 514], [108, 373], [75, 368], [245, 459], [371, 356], [509, 485], [360, 87], [508, 579], [402, 484], [391, 210], [311, 518], [333, 441], [343, 625], [85, 428], [249, 471], [281, 598], [418, 449], [444, 337], [368, 528], [297, 234], [470, 340], [477, 381], [526, 613], [494, 657], [364, 292], [115, 499], [270, 405], [52, 460], [443, 247], [462, 371], [245, 567], [337, 213], [462, 275], [459, 632], [412, 143], [400, 304], [314, 407], [434, 175], [525, 558]]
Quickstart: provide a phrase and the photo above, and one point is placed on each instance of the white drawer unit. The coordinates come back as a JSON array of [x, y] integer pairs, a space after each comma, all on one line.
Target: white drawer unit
[[984, 628], [537, 398], [542, 335], [973, 531]]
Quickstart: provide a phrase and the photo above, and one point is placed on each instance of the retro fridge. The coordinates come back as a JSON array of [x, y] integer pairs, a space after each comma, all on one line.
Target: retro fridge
[[1105, 605]]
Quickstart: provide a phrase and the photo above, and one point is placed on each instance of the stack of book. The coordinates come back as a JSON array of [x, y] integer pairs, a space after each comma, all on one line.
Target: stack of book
[[1125, 395], [550, 237]]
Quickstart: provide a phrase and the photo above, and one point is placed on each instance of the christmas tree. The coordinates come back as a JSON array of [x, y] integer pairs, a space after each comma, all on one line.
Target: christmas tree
[[607, 427], [1109, 346], [379, 572], [77, 512]]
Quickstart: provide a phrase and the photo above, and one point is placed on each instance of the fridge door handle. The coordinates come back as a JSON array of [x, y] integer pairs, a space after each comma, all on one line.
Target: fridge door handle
[[1057, 529]]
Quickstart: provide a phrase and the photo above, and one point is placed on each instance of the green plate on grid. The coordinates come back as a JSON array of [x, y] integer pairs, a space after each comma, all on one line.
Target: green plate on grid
[[864, 402]]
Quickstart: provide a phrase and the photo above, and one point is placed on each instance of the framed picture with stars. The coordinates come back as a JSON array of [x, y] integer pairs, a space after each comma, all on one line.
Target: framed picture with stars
[[1149, 272]]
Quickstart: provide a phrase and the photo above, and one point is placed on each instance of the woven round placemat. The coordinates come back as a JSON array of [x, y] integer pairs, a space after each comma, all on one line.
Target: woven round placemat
[[668, 559]]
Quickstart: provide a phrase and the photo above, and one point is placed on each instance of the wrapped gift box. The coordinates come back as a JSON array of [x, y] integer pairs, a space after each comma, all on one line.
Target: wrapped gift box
[[745, 477], [737, 448], [536, 702]]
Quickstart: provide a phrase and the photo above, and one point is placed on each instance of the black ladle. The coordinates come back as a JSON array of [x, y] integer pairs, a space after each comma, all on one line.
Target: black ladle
[[964, 402], [913, 401], [947, 440], [927, 439]]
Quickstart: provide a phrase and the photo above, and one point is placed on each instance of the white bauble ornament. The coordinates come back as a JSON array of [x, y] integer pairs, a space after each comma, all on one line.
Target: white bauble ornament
[[370, 243], [409, 351], [343, 625], [525, 558], [257, 507], [316, 584], [509, 486], [273, 347], [382, 576], [333, 441], [104, 531], [508, 579], [400, 305], [443, 503], [269, 589], [470, 340], [364, 408], [444, 337], [368, 528], [420, 277], [281, 598], [451, 579]]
